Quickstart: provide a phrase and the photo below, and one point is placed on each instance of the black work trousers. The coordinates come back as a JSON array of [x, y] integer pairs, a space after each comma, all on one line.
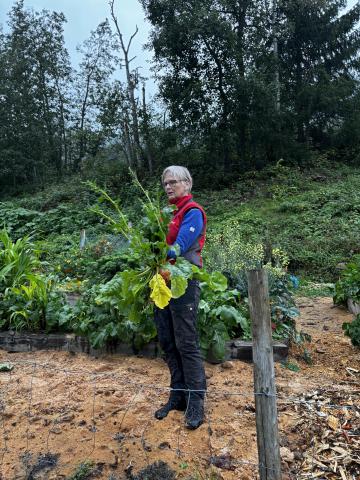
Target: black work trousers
[[178, 338]]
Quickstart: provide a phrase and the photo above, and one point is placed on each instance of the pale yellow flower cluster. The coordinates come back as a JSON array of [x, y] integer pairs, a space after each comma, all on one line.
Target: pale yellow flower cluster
[[227, 251]]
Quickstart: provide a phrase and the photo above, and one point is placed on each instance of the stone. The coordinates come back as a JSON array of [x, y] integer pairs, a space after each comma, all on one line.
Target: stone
[[286, 455], [227, 365]]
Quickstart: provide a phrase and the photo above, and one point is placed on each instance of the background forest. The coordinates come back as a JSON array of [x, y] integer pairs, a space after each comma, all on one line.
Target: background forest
[[242, 84]]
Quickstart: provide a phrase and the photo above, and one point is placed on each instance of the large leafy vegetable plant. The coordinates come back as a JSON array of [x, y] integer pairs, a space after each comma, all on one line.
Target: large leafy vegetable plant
[[348, 286], [123, 307], [222, 316]]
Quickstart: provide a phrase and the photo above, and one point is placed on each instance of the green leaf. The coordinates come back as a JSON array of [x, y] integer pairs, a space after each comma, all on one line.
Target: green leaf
[[291, 366], [181, 267], [218, 346], [215, 281], [204, 306], [231, 316], [6, 367], [178, 286]]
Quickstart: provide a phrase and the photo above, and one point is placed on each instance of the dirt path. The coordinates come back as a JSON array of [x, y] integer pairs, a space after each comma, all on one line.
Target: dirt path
[[59, 410]]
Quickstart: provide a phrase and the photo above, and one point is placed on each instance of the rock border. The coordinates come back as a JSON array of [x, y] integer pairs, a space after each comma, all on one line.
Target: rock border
[[353, 307], [13, 342]]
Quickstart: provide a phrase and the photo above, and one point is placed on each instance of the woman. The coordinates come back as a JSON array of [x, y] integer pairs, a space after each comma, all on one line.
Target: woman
[[176, 324]]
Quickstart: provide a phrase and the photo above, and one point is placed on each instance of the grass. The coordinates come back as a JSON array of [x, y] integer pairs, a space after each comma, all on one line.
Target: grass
[[307, 288]]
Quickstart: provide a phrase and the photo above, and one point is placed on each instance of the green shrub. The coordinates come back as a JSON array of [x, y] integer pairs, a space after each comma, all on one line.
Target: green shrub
[[352, 330], [234, 249], [221, 316], [97, 316], [28, 300], [348, 287], [18, 261], [34, 306]]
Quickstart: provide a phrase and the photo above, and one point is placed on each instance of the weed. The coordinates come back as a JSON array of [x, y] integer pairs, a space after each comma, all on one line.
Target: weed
[[44, 462], [352, 330], [155, 471], [291, 366], [84, 471], [307, 288]]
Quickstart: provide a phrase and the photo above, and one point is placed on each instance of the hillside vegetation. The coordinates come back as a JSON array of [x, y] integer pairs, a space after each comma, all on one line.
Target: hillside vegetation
[[313, 217]]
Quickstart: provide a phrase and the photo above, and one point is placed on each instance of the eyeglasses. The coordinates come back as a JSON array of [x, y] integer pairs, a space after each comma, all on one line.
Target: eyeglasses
[[171, 183]]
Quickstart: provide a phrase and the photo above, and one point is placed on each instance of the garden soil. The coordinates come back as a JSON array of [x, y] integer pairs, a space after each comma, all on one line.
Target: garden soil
[[63, 415]]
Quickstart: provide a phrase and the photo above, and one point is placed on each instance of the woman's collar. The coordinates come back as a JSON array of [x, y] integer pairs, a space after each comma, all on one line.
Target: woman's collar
[[179, 202]]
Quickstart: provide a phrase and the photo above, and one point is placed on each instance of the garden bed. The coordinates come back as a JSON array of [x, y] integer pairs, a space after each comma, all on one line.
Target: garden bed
[[27, 342]]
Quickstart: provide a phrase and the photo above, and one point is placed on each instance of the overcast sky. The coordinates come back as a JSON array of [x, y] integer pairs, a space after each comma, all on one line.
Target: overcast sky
[[84, 15]]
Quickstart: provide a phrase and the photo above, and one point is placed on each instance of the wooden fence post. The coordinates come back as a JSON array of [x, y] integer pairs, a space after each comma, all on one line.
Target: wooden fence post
[[264, 377]]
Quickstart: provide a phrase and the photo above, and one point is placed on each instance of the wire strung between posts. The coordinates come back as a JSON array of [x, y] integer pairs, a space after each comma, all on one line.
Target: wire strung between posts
[[98, 377], [225, 393], [115, 376]]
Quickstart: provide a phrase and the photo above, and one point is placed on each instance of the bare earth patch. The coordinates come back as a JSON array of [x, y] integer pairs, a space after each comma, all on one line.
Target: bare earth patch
[[59, 410]]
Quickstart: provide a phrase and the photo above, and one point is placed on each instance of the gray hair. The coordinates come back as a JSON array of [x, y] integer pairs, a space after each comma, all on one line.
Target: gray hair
[[180, 173]]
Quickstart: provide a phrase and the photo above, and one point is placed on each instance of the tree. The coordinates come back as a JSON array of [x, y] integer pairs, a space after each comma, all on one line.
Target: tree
[[91, 81], [34, 66], [319, 62], [207, 53], [223, 66], [132, 80]]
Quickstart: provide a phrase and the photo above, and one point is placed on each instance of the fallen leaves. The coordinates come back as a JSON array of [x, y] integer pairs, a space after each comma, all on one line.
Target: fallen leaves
[[334, 450]]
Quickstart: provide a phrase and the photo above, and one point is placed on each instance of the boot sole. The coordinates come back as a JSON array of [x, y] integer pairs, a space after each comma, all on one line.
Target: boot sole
[[193, 427]]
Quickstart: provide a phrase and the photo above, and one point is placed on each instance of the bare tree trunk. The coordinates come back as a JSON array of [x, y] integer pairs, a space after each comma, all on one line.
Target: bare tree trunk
[[276, 56], [64, 160], [82, 123], [146, 134], [224, 123], [128, 147], [131, 85], [54, 155]]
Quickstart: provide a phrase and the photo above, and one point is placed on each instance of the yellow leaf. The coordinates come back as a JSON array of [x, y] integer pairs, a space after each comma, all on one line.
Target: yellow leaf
[[160, 293], [333, 422]]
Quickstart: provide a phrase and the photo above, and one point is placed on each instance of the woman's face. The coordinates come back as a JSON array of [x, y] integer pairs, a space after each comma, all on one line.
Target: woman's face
[[174, 188]]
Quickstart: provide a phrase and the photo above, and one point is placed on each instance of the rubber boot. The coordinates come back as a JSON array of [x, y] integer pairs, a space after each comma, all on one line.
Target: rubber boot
[[194, 415], [176, 402]]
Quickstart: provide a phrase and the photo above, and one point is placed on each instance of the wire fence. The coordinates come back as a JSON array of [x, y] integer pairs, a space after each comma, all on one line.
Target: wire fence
[[108, 418]]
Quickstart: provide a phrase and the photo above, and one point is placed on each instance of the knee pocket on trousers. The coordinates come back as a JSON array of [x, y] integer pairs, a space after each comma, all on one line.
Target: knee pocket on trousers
[[184, 321], [187, 344]]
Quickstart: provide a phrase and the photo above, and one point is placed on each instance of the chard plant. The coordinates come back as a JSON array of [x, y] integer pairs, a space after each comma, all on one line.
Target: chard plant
[[149, 276]]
